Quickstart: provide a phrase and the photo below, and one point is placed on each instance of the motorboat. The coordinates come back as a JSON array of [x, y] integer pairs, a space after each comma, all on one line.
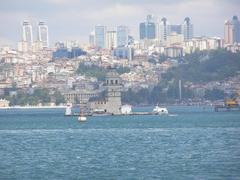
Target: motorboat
[[160, 110], [68, 111], [82, 118]]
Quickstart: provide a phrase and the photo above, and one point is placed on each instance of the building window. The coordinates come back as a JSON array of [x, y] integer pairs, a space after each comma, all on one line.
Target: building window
[[111, 81], [116, 81]]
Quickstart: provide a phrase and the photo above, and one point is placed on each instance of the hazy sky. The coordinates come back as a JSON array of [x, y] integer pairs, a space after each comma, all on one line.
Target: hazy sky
[[75, 19]]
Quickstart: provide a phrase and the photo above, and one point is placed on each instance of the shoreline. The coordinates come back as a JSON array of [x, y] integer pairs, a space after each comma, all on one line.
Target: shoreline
[[34, 107]]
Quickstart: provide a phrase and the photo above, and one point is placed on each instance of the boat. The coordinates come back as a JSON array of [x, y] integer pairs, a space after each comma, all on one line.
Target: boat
[[68, 111], [82, 118], [160, 110]]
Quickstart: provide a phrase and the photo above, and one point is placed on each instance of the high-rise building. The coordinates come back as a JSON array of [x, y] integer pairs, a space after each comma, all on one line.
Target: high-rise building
[[147, 30], [164, 30], [228, 32], [232, 31], [122, 35], [27, 35], [92, 39], [100, 35], [236, 29], [111, 39], [187, 29], [43, 34], [142, 30]]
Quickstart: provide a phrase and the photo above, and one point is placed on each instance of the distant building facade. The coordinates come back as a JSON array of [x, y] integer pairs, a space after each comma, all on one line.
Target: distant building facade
[[111, 39], [147, 30], [92, 39], [187, 29], [122, 36], [64, 52], [232, 31], [27, 35], [124, 53], [163, 30], [100, 36], [43, 34]]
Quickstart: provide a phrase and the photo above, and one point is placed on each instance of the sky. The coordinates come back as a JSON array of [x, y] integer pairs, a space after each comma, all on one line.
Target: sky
[[75, 19]]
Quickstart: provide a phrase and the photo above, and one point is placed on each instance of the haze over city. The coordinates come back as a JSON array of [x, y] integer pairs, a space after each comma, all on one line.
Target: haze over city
[[74, 20]]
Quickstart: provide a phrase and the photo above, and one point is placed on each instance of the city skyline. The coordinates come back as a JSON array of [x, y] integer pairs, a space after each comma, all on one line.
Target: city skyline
[[73, 20]]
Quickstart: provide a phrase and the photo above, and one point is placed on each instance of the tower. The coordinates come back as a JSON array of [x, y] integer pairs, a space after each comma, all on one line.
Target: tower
[[114, 88], [147, 30], [100, 35], [27, 35], [163, 30], [92, 39], [111, 40], [236, 29], [43, 34], [228, 32], [187, 29], [122, 36]]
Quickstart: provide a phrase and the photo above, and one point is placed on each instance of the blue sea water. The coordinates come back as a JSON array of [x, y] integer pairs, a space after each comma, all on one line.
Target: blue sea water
[[192, 143]]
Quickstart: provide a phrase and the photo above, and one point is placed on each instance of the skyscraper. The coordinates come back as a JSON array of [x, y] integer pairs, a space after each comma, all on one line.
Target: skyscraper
[[187, 29], [122, 35], [142, 30], [228, 32], [236, 29], [111, 39], [232, 31], [147, 30], [43, 34], [163, 30], [27, 35], [92, 39], [100, 35]]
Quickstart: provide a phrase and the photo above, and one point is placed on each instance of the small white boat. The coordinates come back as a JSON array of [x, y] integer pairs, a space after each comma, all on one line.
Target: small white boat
[[82, 118], [160, 110], [68, 111]]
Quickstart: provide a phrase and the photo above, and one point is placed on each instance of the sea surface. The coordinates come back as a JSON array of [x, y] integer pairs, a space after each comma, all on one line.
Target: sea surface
[[190, 143]]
